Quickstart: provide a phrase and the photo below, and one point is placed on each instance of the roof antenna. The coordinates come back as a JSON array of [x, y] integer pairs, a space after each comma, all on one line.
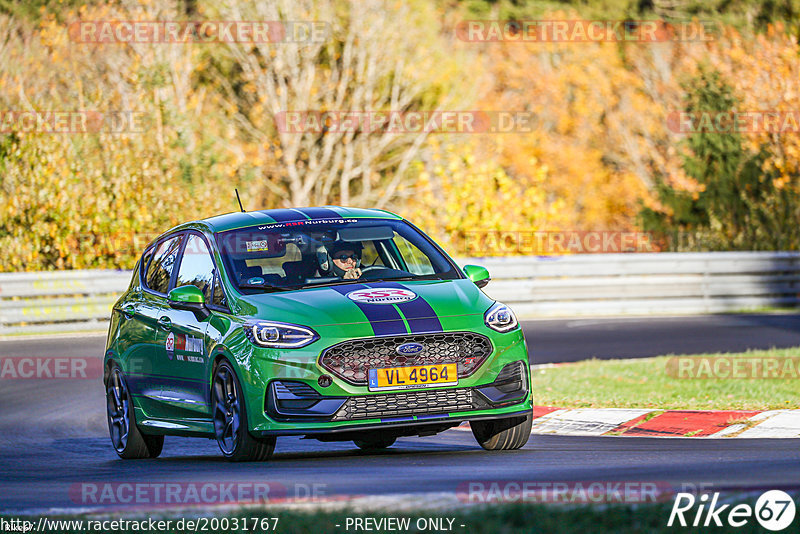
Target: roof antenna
[[239, 199]]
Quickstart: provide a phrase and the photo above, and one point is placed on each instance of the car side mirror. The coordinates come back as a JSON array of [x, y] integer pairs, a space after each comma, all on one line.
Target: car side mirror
[[189, 298], [479, 275]]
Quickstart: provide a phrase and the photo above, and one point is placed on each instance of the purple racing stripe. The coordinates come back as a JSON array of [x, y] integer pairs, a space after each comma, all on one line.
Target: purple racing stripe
[[418, 313], [384, 319], [319, 213], [286, 215]]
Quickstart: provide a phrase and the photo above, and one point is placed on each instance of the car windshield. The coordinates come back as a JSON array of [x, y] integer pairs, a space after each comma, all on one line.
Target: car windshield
[[314, 253]]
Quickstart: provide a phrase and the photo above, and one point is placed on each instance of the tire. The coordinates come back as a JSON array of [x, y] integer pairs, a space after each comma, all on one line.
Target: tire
[[502, 434], [376, 443], [229, 412], [126, 438]]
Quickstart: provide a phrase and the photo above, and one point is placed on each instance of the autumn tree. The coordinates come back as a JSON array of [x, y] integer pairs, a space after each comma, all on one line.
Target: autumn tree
[[589, 118], [93, 199], [467, 199], [739, 205], [374, 56]]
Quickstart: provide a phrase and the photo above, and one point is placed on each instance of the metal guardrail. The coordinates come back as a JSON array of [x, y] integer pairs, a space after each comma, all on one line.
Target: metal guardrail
[[592, 284], [59, 300], [645, 283]]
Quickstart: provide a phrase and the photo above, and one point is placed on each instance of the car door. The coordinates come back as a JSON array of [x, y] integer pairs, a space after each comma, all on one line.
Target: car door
[[150, 373], [184, 346], [137, 324]]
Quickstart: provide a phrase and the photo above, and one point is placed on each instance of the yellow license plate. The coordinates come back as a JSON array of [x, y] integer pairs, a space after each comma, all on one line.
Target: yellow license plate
[[418, 376]]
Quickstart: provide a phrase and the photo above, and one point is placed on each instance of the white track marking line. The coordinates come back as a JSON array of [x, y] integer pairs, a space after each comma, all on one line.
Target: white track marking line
[[728, 430], [774, 424], [585, 421]]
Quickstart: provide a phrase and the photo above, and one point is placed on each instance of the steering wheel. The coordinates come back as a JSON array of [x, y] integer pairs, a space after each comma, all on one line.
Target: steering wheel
[[372, 272]]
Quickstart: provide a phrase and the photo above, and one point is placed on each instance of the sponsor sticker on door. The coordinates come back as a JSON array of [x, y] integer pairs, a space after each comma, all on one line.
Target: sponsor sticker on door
[[169, 344], [194, 344], [184, 343]]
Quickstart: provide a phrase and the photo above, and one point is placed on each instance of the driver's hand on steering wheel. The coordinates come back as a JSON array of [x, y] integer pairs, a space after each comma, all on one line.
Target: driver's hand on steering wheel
[[352, 274]]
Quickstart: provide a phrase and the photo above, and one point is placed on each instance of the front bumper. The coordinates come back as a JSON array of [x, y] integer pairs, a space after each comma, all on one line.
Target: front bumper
[[297, 401], [285, 398], [415, 427]]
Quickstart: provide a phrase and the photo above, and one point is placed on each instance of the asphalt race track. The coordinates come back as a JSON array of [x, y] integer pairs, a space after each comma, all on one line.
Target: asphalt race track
[[566, 340], [46, 474], [53, 434], [569, 340]]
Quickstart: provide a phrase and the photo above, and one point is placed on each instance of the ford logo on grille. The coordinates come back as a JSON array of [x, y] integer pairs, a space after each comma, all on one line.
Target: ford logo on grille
[[410, 348]]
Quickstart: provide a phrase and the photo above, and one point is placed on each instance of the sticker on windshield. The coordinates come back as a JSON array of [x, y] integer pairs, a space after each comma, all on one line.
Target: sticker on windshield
[[382, 296], [306, 223], [257, 246]]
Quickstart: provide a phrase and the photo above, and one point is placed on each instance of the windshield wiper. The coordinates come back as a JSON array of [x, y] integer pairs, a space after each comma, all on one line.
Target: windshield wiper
[[374, 280], [265, 287], [405, 278], [336, 283]]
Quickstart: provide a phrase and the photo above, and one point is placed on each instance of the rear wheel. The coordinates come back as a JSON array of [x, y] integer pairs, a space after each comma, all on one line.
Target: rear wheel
[[375, 443], [126, 438], [502, 434], [230, 420]]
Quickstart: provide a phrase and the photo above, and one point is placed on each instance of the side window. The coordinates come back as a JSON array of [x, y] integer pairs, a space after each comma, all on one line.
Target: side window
[[160, 270], [417, 262], [369, 254], [219, 295], [197, 267], [142, 271]]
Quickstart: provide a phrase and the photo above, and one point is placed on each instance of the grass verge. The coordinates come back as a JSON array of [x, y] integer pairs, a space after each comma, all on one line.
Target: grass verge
[[646, 383]]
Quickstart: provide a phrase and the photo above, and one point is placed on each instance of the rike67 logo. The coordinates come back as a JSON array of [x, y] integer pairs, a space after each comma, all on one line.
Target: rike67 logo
[[382, 296], [774, 510]]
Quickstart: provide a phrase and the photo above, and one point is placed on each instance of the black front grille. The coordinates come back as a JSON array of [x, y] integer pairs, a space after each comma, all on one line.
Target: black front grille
[[351, 360], [299, 389], [511, 377], [412, 403]]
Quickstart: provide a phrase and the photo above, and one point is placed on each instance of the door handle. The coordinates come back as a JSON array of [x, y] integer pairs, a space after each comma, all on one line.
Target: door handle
[[165, 322], [129, 310]]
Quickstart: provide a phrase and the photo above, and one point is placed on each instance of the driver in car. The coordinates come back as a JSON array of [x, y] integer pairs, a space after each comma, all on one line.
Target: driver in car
[[346, 259]]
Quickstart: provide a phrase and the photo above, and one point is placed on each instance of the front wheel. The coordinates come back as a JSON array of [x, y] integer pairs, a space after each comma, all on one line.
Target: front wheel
[[502, 434], [230, 420], [125, 436]]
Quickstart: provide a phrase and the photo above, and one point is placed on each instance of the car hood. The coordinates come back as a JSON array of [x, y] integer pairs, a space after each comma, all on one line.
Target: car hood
[[333, 305]]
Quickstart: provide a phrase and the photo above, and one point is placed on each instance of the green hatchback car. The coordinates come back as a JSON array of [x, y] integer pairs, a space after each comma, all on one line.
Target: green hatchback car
[[329, 323]]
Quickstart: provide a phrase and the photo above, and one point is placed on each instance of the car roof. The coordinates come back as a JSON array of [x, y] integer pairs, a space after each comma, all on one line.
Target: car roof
[[231, 221]]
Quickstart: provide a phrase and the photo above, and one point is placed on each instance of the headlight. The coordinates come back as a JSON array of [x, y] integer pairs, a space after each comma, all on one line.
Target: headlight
[[279, 335], [500, 317]]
